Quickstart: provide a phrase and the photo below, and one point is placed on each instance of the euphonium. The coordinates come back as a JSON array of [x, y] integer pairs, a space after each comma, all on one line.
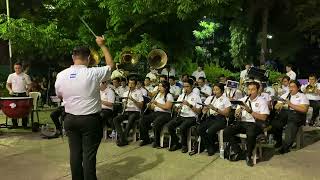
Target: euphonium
[[310, 89]]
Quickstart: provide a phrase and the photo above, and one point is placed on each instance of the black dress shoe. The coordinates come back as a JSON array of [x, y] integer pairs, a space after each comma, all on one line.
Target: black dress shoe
[[249, 161], [155, 145], [283, 150], [143, 143], [184, 149], [174, 147]]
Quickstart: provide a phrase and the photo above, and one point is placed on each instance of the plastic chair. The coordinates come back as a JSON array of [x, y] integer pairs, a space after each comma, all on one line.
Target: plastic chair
[[35, 96]]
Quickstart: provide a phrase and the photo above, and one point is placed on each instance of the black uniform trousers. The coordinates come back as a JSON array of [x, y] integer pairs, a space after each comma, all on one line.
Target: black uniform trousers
[[208, 129], [315, 110], [84, 134], [159, 119], [24, 119], [292, 120], [107, 117], [132, 117], [56, 115], [183, 123], [251, 129]]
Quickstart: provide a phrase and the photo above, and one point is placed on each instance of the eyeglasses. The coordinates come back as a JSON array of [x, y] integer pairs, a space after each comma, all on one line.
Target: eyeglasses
[[104, 82]]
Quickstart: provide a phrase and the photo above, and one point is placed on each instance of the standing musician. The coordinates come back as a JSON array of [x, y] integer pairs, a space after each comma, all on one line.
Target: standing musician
[[133, 103], [205, 90], [250, 112], [18, 85], [78, 86], [161, 105], [187, 112], [312, 91], [107, 100], [217, 108], [292, 114]]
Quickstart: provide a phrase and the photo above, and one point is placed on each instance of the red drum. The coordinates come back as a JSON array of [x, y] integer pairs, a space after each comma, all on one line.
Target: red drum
[[16, 107]]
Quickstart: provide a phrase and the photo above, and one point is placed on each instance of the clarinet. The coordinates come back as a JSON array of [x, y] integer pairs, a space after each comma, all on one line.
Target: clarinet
[[126, 103], [208, 112], [180, 106], [153, 98], [242, 108]]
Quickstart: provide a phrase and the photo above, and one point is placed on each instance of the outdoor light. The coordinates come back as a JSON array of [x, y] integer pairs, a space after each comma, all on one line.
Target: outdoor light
[[269, 36]]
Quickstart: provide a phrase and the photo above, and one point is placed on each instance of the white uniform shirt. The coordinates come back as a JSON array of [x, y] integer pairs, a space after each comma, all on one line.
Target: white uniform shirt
[[79, 87], [221, 103], [149, 88], [292, 75], [130, 105], [160, 99], [143, 91], [19, 82], [297, 99], [192, 99], [266, 96], [270, 91], [120, 90], [312, 96], [152, 76], [284, 90], [171, 73], [175, 90], [206, 90], [198, 74], [109, 96], [258, 105], [244, 74]]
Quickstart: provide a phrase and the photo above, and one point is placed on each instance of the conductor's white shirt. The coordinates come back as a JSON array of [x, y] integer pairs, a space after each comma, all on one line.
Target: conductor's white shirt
[[79, 86]]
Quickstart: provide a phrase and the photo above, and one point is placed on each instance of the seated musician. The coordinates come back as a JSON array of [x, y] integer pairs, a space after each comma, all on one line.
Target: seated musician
[[133, 103], [55, 117], [312, 91], [250, 113], [147, 84], [107, 100], [292, 114], [116, 86], [187, 112], [161, 105], [217, 108], [264, 95], [205, 90], [174, 89], [140, 87], [156, 88], [284, 85]]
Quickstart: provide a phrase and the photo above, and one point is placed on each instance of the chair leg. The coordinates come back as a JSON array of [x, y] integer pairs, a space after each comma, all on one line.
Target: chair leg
[[161, 137], [38, 116], [299, 138], [134, 133], [254, 153], [105, 134], [189, 140], [260, 151], [199, 144], [169, 141], [221, 144]]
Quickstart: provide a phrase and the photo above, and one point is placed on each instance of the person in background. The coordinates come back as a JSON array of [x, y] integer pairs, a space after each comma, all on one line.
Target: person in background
[[168, 71], [175, 90], [199, 72], [290, 72], [18, 85]]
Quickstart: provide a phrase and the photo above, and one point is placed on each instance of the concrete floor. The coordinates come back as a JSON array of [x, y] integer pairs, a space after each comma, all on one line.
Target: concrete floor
[[25, 155]]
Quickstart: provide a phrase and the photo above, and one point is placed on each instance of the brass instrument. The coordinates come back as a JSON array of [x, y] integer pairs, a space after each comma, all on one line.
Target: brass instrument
[[94, 58], [310, 89], [128, 57], [157, 59], [276, 88]]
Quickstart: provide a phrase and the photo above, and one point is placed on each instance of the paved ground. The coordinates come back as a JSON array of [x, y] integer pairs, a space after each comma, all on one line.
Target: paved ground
[[24, 156]]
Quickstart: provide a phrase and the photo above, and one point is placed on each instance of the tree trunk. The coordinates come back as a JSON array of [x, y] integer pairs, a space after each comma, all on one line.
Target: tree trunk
[[264, 32]]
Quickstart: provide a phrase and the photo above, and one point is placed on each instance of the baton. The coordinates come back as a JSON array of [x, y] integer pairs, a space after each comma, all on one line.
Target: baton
[[87, 26]]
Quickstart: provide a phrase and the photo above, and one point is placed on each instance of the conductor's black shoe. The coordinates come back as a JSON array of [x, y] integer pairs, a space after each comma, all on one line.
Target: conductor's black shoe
[[184, 149], [143, 143], [249, 161]]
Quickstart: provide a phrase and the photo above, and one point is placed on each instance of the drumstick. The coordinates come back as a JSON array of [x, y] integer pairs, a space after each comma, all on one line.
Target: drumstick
[[87, 26]]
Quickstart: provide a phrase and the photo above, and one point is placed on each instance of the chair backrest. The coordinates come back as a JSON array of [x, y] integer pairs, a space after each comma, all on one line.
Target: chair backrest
[[35, 96]]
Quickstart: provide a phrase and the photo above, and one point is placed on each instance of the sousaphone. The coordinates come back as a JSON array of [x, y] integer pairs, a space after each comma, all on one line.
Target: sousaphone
[[157, 59]]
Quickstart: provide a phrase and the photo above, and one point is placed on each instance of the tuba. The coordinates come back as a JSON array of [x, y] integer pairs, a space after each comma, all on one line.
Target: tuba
[[94, 58], [128, 57], [157, 59]]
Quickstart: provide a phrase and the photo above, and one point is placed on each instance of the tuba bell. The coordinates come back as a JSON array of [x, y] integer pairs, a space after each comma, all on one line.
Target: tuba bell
[[94, 58], [310, 89], [157, 59], [127, 57]]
